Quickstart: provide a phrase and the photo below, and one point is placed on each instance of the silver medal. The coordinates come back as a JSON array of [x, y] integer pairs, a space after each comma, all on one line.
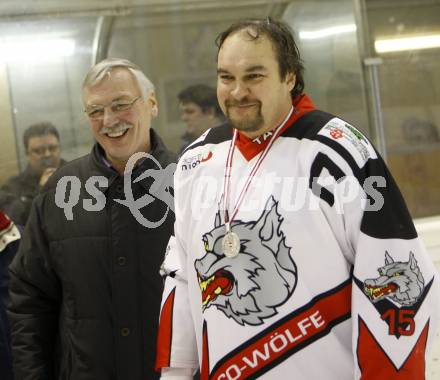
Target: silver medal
[[231, 244]]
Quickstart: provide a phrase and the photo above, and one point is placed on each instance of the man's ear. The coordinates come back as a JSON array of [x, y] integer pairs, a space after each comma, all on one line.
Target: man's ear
[[154, 111], [291, 80], [154, 107]]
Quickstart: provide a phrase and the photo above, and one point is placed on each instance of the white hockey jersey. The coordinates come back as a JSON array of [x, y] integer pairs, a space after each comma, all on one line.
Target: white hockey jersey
[[331, 281]]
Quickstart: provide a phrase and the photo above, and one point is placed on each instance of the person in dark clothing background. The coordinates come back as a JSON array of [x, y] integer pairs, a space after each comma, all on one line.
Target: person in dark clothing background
[[199, 110], [85, 284], [9, 241], [42, 144]]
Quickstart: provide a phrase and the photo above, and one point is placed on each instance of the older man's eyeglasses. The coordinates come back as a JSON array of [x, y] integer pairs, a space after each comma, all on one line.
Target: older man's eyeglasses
[[117, 106]]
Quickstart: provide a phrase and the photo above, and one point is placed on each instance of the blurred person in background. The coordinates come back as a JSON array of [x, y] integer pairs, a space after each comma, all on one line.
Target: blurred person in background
[[199, 110], [42, 145], [85, 288]]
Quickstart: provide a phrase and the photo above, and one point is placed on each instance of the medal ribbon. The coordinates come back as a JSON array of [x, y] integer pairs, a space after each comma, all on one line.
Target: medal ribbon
[[228, 170]]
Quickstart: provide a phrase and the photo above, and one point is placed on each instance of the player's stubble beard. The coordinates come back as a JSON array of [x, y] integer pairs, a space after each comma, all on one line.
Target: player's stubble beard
[[245, 124]]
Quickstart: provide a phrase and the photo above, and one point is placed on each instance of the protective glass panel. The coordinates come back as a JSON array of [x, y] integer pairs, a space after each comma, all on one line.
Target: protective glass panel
[[406, 35]]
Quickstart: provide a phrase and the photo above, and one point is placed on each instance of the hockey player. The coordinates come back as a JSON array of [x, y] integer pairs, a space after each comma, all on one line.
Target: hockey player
[[293, 255]]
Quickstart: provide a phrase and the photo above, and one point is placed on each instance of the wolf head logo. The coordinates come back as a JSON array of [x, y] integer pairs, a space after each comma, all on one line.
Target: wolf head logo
[[249, 287], [399, 281]]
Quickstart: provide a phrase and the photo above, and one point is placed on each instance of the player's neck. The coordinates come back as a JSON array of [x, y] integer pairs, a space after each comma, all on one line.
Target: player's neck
[[267, 128]]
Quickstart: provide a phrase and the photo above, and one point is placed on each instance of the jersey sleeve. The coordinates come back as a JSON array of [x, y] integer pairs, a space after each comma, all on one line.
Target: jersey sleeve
[[395, 305], [176, 347], [395, 287]]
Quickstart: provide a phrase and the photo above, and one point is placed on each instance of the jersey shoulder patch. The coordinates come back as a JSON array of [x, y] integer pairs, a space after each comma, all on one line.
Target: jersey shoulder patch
[[338, 133]]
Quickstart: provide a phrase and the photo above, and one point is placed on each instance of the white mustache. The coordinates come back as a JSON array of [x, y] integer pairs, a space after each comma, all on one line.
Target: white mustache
[[118, 128]]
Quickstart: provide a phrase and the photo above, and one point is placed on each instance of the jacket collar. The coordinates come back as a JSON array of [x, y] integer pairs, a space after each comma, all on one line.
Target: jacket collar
[[158, 151]]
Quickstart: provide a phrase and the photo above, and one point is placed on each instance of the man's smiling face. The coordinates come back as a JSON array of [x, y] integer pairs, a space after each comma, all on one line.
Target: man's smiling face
[[249, 88], [124, 117]]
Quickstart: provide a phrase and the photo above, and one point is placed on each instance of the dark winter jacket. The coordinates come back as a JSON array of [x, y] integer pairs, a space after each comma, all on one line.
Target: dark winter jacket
[[86, 292], [17, 194]]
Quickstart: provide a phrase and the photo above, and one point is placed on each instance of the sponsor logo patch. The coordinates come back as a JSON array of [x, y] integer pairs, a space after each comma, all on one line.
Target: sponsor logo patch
[[342, 132], [189, 163]]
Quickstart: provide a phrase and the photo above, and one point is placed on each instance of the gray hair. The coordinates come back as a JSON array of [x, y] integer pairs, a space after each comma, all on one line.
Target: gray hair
[[98, 72]]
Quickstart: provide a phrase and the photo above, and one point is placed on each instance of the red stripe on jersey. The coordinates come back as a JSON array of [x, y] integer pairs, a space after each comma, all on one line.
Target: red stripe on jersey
[[376, 365], [291, 335], [165, 333], [204, 372]]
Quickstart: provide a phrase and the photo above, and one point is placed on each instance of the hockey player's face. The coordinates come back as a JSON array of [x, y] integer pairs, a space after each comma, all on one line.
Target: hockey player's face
[[249, 88]]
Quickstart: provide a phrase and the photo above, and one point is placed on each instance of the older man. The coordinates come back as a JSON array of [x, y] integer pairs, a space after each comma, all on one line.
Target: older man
[[85, 286], [293, 255], [42, 144]]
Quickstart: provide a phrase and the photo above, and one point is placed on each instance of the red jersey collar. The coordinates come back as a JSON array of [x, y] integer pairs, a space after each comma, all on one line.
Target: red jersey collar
[[249, 148]]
